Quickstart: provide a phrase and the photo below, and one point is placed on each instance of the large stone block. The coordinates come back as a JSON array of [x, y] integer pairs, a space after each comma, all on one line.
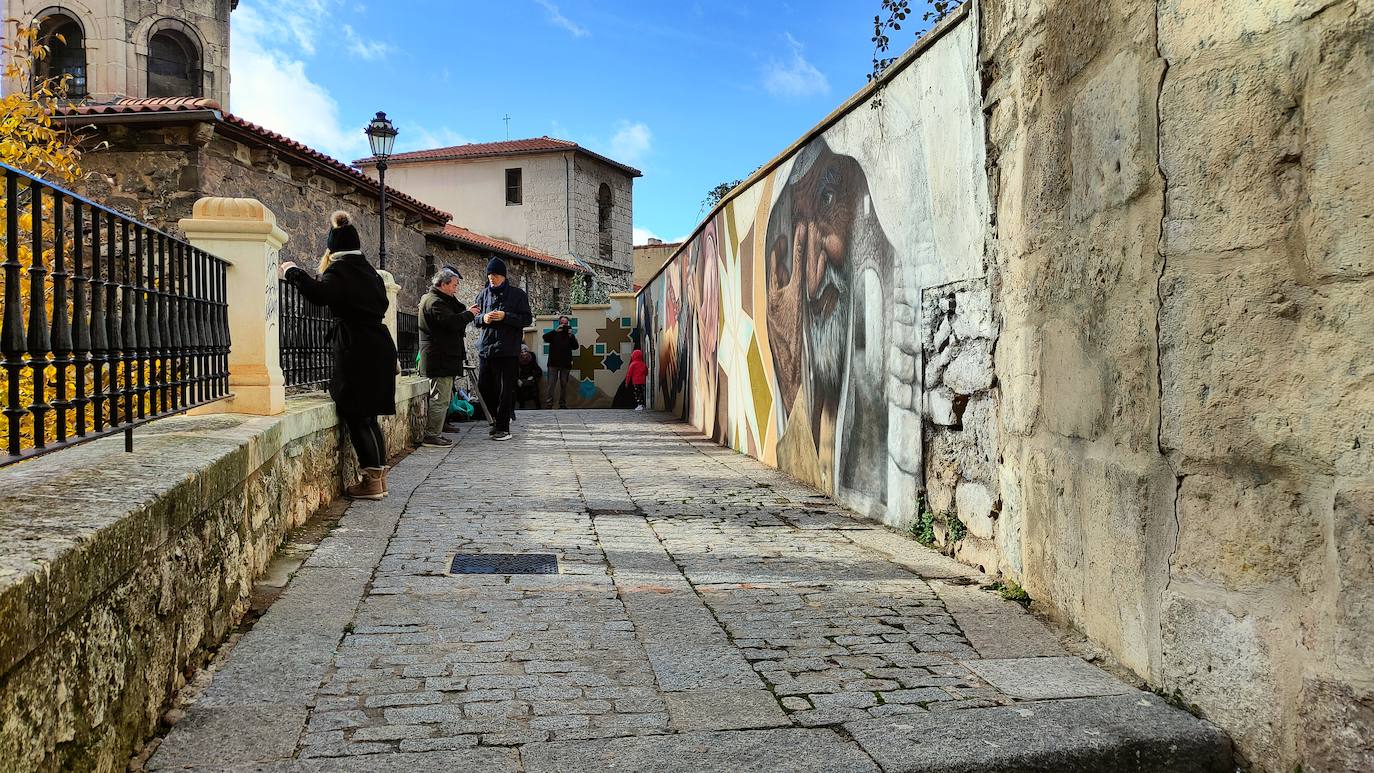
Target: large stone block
[[1072, 381], [1353, 521], [971, 369], [1112, 139], [1336, 730], [1243, 533], [1092, 524], [1189, 28], [1221, 658], [1018, 373], [1230, 144], [1258, 366], [975, 504], [1338, 113]]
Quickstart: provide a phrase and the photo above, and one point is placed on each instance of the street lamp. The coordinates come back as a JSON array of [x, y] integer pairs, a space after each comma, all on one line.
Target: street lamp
[[381, 135]]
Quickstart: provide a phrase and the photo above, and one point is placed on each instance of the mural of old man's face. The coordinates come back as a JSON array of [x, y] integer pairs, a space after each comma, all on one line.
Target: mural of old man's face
[[828, 267]]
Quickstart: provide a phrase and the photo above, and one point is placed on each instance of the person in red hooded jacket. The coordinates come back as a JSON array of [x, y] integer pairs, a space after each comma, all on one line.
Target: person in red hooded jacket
[[638, 375]]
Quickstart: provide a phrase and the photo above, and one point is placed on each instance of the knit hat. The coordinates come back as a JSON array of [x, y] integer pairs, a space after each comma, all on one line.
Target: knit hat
[[343, 237], [496, 266]]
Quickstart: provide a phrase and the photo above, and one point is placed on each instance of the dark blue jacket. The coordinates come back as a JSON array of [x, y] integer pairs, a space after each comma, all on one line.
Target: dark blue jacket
[[502, 339]]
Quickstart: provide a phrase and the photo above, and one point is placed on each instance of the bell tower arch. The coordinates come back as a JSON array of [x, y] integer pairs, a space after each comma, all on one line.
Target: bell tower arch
[[137, 48]]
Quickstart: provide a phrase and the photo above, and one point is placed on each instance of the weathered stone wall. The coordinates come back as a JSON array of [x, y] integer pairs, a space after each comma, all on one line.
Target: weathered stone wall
[[1182, 250], [616, 271], [119, 572], [156, 174]]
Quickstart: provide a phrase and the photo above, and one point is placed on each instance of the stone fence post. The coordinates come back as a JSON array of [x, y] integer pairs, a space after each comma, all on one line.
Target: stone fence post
[[392, 289], [245, 233]]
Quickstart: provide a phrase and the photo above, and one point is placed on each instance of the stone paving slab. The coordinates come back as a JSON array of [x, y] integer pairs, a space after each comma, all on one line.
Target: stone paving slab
[[1135, 733], [775, 751], [709, 614]]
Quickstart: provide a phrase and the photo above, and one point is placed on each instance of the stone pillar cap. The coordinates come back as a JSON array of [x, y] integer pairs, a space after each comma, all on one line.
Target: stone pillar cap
[[225, 217]]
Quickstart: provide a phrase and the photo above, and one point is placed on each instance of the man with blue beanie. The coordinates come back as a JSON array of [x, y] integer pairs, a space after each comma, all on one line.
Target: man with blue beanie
[[503, 313]]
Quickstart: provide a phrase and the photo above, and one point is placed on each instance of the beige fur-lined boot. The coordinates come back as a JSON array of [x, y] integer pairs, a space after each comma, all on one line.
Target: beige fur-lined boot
[[372, 486]]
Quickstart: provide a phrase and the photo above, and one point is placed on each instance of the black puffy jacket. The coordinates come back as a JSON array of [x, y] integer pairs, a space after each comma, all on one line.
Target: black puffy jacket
[[502, 339]]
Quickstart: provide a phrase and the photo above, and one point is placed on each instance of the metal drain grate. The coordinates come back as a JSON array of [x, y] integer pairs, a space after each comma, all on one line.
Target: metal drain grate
[[504, 563]]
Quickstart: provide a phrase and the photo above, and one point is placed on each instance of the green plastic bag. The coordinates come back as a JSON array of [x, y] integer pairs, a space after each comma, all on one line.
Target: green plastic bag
[[460, 407]]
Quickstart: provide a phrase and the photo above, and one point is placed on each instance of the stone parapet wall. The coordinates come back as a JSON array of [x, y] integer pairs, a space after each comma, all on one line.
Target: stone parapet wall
[[119, 572]]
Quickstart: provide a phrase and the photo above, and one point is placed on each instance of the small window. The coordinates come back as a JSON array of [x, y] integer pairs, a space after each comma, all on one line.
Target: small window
[[514, 194], [604, 205], [173, 66], [66, 53]]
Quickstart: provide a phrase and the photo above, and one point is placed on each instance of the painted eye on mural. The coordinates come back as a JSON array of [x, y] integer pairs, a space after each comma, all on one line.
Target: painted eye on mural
[[830, 181]]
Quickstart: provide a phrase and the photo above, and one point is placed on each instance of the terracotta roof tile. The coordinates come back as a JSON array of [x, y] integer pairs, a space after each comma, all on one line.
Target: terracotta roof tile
[[473, 239], [130, 106], [498, 149]]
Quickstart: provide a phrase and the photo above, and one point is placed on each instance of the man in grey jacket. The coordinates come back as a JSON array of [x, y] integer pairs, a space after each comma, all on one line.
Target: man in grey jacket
[[443, 352]]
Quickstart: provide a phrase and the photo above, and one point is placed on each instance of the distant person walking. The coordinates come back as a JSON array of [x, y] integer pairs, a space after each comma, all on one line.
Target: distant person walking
[[562, 343], [638, 375], [443, 350], [527, 379], [502, 314], [363, 384]]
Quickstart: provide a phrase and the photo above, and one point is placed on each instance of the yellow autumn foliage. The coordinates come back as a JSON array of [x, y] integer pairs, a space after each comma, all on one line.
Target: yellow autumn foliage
[[30, 140]]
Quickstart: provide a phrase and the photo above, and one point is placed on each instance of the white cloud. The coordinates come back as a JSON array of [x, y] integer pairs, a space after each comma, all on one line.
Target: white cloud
[[632, 142], [794, 77], [420, 138], [643, 235], [271, 87], [364, 49], [557, 19]]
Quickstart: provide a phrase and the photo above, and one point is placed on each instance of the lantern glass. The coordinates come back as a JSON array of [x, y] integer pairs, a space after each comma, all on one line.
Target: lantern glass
[[381, 135]]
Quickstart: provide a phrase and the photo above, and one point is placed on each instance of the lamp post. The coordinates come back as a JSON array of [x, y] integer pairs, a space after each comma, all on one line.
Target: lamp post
[[381, 135]]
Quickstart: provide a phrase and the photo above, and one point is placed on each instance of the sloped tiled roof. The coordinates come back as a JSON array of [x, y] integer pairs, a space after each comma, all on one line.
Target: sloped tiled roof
[[497, 149], [473, 239], [252, 131]]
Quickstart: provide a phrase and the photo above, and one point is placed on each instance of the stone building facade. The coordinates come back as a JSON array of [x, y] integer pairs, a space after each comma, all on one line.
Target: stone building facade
[[550, 195], [648, 258], [160, 156], [135, 48], [157, 157]]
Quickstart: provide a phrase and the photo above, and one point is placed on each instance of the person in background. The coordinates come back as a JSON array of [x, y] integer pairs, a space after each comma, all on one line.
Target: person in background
[[527, 379], [638, 375], [443, 350], [363, 383], [562, 343], [502, 313]]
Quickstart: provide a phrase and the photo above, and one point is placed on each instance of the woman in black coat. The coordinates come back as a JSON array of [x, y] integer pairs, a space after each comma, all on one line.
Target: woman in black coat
[[363, 384]]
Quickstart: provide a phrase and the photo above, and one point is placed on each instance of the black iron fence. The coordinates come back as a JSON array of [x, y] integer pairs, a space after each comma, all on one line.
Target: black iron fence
[[107, 322], [307, 354], [408, 340]]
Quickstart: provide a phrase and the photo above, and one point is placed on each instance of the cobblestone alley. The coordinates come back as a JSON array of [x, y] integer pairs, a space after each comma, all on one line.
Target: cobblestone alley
[[709, 614]]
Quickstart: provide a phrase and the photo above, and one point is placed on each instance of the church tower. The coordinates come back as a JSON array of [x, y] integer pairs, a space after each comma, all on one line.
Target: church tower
[[133, 48]]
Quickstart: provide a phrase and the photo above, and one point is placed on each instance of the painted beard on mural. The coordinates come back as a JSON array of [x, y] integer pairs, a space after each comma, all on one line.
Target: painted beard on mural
[[829, 266]]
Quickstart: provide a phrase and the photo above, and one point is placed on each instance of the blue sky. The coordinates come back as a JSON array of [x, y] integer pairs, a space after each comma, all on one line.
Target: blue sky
[[692, 93]]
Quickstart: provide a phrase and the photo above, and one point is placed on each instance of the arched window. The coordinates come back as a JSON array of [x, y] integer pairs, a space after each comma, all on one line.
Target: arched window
[[604, 204], [66, 45], [173, 66]]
